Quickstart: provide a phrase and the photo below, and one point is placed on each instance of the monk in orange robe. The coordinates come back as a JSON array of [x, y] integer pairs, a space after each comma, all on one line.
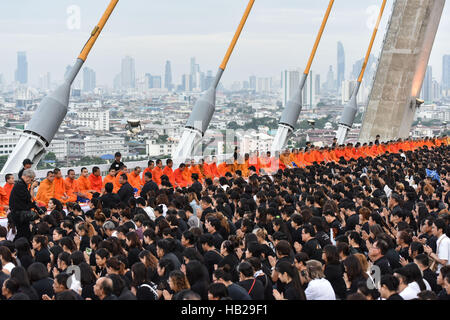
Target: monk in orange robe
[[206, 169], [46, 189], [134, 179], [111, 178], [9, 184], [95, 179], [71, 186], [195, 169], [180, 177], [84, 185], [213, 168], [4, 204], [186, 172], [157, 172], [169, 172], [223, 169], [59, 186], [150, 167]]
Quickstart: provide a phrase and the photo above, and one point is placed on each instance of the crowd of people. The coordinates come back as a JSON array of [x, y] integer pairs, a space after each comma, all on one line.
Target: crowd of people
[[355, 222]]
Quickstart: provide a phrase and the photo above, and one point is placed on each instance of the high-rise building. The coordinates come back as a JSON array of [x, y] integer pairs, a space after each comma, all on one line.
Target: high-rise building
[[436, 90], [330, 79], [446, 72], [340, 64], [45, 81], [155, 82], [370, 69], [264, 85], [290, 80], [252, 81], [168, 77], [22, 68], [317, 91], [427, 86], [89, 80], [128, 73], [186, 82]]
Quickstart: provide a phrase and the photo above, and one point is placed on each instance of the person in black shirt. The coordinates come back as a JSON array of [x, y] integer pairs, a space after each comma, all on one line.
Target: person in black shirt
[[423, 262], [103, 289], [311, 246], [211, 256], [109, 199], [334, 271], [389, 287], [296, 222], [117, 164], [377, 255], [253, 286], [293, 290], [126, 191], [41, 253], [212, 225], [20, 204], [149, 185]]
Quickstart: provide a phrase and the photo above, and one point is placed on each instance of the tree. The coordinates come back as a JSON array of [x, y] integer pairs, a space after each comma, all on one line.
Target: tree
[[3, 160], [50, 156]]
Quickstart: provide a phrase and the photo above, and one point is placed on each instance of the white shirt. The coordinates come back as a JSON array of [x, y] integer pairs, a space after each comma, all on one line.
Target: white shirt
[[411, 291], [443, 250], [320, 289], [150, 213], [9, 266]]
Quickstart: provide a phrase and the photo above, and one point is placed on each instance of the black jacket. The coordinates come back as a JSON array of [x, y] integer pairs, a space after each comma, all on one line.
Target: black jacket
[[149, 186], [384, 265], [127, 295], [125, 193], [335, 275], [44, 286], [255, 287], [20, 198], [110, 200]]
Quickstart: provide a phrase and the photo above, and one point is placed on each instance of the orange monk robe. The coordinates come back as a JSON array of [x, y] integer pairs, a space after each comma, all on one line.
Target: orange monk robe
[[169, 173], [308, 158], [96, 182], [110, 179], [254, 161], [71, 186], [59, 189], [3, 202], [187, 175], [222, 169], [347, 153], [292, 159], [8, 188], [284, 159], [156, 175], [333, 156], [318, 156], [84, 185], [214, 170], [180, 178], [300, 159], [196, 169], [244, 168], [207, 171], [135, 181], [45, 192]]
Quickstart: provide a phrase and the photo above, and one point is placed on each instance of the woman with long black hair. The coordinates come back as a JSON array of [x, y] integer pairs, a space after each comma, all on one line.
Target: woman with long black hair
[[293, 290], [141, 287]]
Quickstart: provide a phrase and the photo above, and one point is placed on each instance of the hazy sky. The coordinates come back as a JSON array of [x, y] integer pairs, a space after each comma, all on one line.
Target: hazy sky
[[279, 34]]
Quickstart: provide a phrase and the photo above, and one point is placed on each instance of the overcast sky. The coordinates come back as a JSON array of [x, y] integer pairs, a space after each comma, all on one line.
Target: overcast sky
[[279, 34]]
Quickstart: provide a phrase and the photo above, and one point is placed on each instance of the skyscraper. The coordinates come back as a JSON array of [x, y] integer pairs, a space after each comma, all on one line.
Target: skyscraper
[[330, 79], [186, 82], [317, 91], [22, 68], [340, 64], [89, 80], [252, 82], [45, 81], [168, 76], [446, 72], [427, 86], [128, 73], [290, 81]]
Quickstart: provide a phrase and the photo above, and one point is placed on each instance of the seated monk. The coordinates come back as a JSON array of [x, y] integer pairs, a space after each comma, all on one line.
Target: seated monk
[[84, 185], [95, 179], [157, 172], [60, 187], [111, 178], [134, 179], [179, 176], [46, 190], [168, 171], [71, 186]]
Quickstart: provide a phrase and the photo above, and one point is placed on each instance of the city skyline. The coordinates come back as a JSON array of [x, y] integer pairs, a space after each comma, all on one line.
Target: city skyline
[[273, 28]]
